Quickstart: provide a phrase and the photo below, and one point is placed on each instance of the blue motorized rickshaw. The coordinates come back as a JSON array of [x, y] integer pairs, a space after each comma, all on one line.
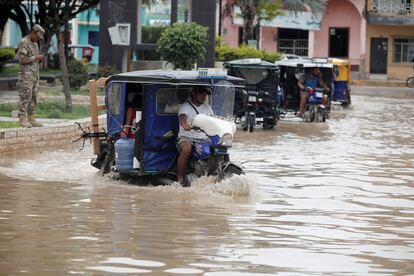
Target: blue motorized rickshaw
[[290, 72], [260, 99], [152, 153], [341, 91]]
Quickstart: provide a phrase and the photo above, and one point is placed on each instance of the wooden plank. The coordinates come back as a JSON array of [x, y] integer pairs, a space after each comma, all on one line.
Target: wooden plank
[[101, 82], [101, 107], [94, 115]]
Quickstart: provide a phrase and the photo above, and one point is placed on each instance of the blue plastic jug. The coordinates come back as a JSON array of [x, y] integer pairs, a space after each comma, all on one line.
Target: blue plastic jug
[[124, 154]]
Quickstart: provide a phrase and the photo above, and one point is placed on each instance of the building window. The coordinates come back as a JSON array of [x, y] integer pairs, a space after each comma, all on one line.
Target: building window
[[93, 38], [403, 50], [293, 41]]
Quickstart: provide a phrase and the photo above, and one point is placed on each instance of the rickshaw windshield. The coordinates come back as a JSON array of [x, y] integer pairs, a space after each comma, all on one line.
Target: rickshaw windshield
[[222, 101], [253, 75]]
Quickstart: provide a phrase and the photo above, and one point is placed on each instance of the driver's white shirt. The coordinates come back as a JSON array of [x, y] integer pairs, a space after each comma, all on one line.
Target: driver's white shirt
[[188, 110]]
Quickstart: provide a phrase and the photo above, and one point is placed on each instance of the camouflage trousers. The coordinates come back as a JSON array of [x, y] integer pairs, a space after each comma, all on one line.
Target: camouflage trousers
[[28, 85]]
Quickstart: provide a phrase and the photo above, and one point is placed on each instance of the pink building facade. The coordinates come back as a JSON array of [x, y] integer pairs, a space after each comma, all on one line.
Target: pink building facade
[[341, 33]]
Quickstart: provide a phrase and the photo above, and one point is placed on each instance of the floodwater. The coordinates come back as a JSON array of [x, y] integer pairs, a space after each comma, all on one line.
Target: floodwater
[[331, 198]]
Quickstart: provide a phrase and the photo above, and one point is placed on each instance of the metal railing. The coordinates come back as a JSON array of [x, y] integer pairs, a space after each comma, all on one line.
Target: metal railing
[[293, 46], [391, 7]]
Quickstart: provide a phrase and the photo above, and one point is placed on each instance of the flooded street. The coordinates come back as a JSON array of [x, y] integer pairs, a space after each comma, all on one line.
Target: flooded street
[[329, 198]]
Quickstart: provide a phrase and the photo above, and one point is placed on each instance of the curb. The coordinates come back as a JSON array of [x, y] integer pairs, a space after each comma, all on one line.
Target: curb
[[384, 83], [17, 140]]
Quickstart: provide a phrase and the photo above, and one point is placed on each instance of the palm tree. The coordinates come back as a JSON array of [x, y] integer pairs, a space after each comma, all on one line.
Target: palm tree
[[253, 11]]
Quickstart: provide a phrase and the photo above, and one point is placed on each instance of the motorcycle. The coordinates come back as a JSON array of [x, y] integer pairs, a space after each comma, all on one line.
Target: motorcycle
[[315, 111], [290, 72], [259, 103], [151, 155]]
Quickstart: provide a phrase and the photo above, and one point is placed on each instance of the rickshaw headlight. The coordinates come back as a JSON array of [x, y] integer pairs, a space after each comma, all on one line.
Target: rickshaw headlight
[[226, 140]]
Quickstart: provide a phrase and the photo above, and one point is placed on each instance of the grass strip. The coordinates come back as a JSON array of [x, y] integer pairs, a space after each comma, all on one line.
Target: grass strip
[[9, 124], [52, 110]]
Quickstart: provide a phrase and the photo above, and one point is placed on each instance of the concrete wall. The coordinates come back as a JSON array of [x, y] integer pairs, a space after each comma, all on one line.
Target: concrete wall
[[268, 39], [230, 32], [18, 140], [340, 14], [395, 71]]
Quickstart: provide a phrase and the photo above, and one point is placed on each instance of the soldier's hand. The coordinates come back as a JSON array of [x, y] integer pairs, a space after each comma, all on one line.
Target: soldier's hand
[[39, 57]]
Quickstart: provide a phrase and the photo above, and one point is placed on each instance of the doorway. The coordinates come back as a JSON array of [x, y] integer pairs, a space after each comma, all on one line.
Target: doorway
[[378, 55], [338, 42]]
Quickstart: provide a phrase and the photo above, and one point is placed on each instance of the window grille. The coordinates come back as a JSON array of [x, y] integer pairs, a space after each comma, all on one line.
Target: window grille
[[403, 50], [293, 46]]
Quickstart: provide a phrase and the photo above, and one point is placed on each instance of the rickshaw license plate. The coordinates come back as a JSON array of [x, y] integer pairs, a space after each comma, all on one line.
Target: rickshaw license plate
[[319, 94], [252, 98]]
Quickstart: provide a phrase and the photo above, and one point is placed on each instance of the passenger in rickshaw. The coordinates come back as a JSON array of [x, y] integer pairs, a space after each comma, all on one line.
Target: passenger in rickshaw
[[133, 104], [310, 79], [197, 104]]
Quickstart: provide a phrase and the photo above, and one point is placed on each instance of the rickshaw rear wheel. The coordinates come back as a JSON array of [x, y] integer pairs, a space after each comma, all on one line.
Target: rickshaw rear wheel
[[252, 122]]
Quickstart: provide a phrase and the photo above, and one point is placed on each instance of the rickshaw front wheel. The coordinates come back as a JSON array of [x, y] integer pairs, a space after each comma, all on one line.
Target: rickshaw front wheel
[[232, 170]]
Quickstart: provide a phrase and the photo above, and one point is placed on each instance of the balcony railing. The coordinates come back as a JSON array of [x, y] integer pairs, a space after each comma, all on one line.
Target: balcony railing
[[390, 7]]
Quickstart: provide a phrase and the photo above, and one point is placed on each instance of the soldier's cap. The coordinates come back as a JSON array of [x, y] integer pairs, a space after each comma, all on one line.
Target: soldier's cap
[[38, 30]]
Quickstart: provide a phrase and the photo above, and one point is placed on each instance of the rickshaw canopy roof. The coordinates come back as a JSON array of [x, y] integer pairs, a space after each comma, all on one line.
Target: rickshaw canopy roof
[[250, 63], [306, 63], [174, 77]]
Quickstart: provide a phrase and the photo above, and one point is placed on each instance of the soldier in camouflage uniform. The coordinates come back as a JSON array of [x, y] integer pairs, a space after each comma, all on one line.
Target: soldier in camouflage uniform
[[28, 82]]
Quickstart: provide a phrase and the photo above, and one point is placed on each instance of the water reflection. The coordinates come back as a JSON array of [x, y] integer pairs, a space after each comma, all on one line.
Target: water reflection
[[334, 198]]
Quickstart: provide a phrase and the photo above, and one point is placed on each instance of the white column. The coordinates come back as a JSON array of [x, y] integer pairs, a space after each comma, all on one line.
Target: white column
[[363, 50], [75, 34], [311, 42], [6, 34]]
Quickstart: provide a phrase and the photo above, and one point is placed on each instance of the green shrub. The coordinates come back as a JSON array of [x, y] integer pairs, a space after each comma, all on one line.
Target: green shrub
[[106, 71], [183, 44], [78, 74], [271, 57], [219, 40], [9, 124], [53, 61], [151, 34], [6, 55], [226, 53]]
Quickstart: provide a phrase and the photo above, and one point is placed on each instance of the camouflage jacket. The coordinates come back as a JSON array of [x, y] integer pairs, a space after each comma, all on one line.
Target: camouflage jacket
[[26, 53]]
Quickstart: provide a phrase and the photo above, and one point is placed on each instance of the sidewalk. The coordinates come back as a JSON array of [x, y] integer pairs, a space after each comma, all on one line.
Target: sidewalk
[[383, 91], [384, 83]]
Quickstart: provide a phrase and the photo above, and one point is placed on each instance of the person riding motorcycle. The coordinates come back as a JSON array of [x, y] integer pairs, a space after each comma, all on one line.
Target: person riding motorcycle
[[310, 79], [186, 136]]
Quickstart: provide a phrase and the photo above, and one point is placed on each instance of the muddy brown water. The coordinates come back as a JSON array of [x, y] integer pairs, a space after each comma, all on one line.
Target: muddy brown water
[[334, 198]]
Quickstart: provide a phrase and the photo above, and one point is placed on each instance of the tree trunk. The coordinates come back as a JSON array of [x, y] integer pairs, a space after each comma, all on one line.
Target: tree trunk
[[65, 76], [248, 32], [248, 9]]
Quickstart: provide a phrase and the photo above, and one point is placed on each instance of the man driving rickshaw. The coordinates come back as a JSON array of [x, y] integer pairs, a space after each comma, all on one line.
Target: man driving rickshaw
[[308, 81], [305, 84]]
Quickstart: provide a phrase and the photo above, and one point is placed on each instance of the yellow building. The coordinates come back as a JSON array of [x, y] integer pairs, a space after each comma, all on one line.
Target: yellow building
[[390, 39]]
